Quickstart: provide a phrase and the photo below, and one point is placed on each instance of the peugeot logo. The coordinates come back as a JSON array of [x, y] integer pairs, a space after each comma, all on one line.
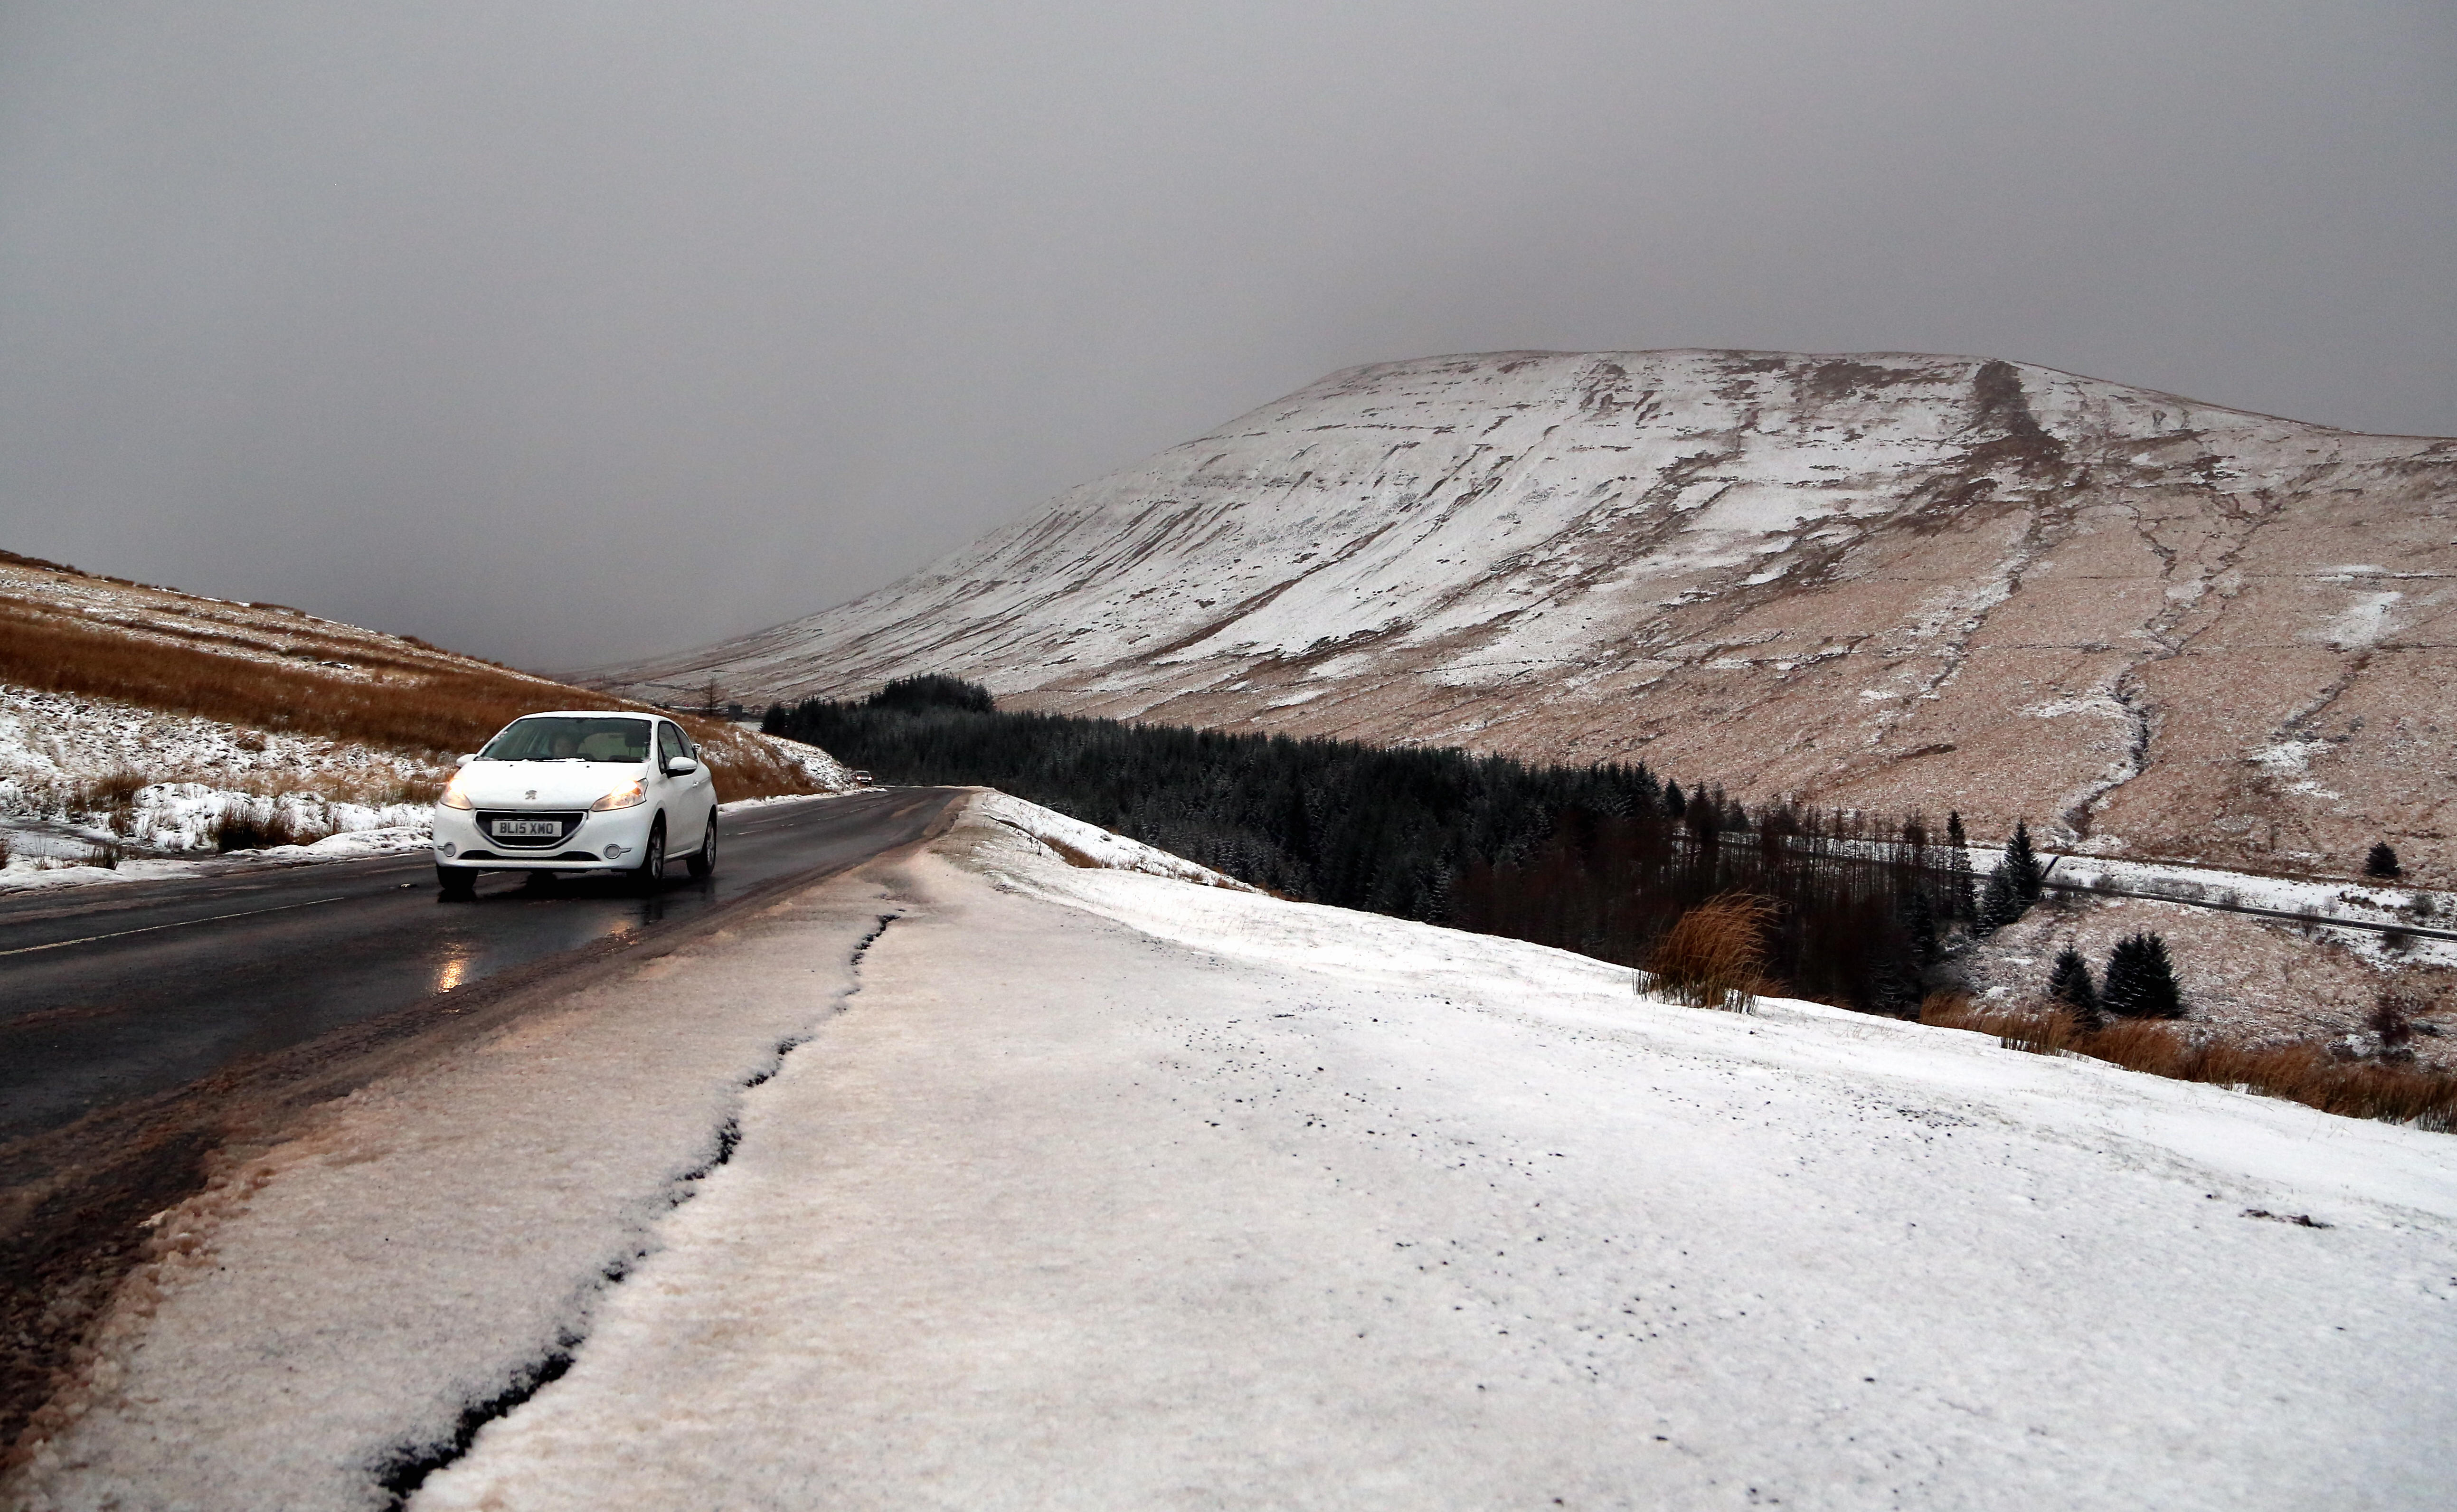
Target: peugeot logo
[[530, 794]]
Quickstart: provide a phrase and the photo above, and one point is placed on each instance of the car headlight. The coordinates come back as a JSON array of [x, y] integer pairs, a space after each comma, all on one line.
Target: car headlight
[[630, 795], [452, 798]]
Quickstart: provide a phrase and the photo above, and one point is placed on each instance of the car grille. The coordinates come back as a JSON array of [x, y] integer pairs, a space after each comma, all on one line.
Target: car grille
[[466, 857], [564, 825]]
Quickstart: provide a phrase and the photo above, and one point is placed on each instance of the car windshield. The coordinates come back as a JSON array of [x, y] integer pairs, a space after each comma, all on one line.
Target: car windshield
[[569, 738]]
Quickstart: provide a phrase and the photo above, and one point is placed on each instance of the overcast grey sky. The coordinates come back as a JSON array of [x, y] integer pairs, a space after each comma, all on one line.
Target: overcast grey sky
[[565, 332]]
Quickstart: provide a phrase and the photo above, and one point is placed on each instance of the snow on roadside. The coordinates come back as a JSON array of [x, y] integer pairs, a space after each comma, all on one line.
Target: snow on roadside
[[820, 769], [1109, 1190], [1079, 844], [421, 1243], [182, 774]]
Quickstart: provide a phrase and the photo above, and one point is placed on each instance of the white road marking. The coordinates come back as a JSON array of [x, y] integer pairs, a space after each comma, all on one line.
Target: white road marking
[[181, 923]]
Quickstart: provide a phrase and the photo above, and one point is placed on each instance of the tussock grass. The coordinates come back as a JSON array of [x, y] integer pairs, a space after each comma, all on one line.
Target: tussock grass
[[428, 708], [116, 789], [2307, 1074], [1714, 955], [241, 828]]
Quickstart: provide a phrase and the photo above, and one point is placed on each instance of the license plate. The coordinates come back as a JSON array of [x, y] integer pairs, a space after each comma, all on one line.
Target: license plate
[[510, 829]]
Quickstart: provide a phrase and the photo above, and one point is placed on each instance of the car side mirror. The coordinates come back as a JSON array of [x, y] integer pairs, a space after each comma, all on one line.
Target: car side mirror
[[681, 767], [461, 762]]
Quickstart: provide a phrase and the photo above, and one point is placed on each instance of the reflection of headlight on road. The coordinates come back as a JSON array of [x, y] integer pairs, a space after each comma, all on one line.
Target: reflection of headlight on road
[[453, 797], [630, 794]]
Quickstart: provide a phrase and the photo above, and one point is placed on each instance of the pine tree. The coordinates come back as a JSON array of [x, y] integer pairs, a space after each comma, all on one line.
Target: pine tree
[[1961, 896], [1650, 791], [2024, 864], [1919, 922], [2382, 863], [2000, 906], [1674, 804], [2141, 981], [2070, 984]]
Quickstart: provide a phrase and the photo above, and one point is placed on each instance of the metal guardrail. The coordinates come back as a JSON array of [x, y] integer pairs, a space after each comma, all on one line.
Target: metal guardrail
[[2293, 916], [2047, 879]]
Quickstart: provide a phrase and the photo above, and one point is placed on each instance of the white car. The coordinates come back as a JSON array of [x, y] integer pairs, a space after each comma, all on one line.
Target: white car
[[577, 791]]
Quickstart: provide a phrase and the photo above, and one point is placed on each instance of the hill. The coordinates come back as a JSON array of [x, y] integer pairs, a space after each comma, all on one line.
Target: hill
[[1880, 580]]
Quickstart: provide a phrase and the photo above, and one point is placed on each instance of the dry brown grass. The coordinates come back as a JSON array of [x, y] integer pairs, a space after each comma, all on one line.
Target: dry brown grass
[[1714, 955], [743, 767], [2303, 1072], [243, 829], [428, 708]]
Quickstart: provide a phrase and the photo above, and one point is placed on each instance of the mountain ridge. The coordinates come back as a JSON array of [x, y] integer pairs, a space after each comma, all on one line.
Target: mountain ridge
[[1879, 579]]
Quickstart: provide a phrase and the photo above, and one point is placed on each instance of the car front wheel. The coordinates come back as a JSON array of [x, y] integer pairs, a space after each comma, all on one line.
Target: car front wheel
[[651, 869], [703, 860], [456, 881]]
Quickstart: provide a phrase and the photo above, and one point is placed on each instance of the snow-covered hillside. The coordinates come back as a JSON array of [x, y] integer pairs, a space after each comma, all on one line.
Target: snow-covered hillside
[[1880, 580], [1038, 1170]]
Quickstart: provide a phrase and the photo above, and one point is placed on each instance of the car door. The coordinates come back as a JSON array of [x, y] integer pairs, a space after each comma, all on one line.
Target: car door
[[690, 798], [704, 779], [674, 793]]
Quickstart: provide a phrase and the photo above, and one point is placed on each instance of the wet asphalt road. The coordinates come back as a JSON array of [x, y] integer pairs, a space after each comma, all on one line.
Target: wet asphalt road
[[122, 990]]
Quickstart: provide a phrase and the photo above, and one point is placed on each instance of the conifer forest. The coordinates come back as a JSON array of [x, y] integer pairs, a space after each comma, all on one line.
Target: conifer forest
[[1600, 860]]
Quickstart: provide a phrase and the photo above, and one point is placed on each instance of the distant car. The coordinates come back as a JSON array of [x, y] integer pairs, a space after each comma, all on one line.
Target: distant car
[[577, 791]]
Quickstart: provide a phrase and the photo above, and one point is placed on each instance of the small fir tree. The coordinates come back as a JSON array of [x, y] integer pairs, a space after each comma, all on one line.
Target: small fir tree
[[2000, 906], [1961, 893], [2024, 864], [2141, 981], [2392, 1023], [1674, 804], [2382, 863], [2070, 984], [1919, 922]]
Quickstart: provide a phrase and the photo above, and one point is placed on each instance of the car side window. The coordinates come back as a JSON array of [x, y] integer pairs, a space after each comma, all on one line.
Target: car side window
[[670, 743]]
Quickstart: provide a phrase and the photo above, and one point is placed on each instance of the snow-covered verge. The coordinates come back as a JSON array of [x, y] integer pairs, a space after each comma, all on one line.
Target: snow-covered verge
[[1077, 843], [89, 779], [95, 790], [1085, 1186], [824, 773]]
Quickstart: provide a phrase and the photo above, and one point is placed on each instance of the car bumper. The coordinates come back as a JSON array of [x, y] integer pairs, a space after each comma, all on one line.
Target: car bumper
[[602, 841]]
